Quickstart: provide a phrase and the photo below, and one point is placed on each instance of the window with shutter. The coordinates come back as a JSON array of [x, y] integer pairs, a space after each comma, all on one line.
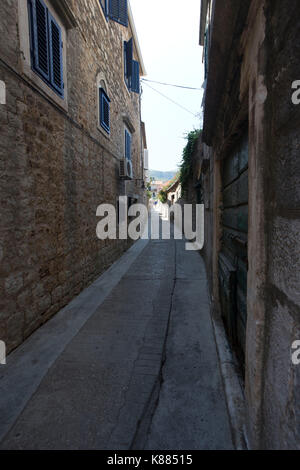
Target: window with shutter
[[128, 62], [135, 86], [41, 38], [127, 145], [46, 46], [56, 71], [118, 11], [104, 110]]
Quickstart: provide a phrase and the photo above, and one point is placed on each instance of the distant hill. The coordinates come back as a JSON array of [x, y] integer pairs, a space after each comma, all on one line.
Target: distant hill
[[163, 175]]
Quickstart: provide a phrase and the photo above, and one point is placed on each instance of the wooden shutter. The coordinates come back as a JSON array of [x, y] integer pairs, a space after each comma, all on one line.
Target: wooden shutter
[[123, 12], [104, 110], [118, 11], [56, 65], [40, 39], [135, 87], [233, 256]]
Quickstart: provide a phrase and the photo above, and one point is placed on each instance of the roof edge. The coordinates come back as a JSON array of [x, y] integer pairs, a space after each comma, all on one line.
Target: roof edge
[[143, 72]]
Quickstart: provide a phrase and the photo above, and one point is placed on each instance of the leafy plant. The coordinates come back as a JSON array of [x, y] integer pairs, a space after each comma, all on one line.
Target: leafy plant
[[163, 195], [187, 154]]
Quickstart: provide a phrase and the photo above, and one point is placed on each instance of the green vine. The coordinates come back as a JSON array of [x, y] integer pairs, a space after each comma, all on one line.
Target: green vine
[[163, 195], [186, 162]]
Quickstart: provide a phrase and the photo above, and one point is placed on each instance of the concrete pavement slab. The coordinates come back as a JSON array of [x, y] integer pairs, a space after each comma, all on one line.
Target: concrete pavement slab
[[139, 370]]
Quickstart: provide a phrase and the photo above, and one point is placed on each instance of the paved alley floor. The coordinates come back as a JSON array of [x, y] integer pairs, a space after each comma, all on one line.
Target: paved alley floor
[[130, 364]]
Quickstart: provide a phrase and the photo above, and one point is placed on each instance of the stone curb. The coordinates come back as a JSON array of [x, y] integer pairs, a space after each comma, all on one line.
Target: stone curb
[[231, 379]]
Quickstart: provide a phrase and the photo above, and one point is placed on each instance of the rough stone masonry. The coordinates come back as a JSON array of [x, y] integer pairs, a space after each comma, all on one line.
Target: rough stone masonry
[[58, 164]]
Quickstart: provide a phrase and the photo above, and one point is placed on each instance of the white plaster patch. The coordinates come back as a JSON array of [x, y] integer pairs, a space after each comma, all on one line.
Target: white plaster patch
[[2, 353], [262, 92], [2, 92]]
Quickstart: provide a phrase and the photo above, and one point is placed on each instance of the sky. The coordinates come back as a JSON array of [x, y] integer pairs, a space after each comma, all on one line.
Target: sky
[[168, 33]]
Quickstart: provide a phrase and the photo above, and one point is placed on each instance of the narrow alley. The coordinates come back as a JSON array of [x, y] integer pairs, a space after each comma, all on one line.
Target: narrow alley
[[118, 112], [131, 363]]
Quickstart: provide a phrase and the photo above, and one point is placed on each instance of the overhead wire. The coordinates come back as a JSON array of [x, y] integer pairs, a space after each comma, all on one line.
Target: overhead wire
[[170, 99], [171, 84]]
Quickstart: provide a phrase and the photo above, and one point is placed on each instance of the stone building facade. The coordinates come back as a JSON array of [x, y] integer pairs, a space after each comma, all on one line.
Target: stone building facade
[[71, 73], [199, 190], [251, 180]]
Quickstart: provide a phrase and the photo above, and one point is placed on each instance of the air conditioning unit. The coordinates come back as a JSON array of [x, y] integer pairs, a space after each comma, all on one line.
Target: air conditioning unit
[[126, 170]]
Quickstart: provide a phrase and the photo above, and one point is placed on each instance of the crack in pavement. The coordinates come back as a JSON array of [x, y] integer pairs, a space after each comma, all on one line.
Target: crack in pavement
[[144, 425]]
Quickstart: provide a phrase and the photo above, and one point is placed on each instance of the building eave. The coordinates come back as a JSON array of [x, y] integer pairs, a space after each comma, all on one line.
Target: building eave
[[173, 186], [143, 72]]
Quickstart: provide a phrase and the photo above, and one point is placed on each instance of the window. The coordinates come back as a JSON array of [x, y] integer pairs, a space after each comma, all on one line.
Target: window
[[127, 145], [46, 46], [131, 68], [128, 52], [118, 11], [104, 108], [135, 85]]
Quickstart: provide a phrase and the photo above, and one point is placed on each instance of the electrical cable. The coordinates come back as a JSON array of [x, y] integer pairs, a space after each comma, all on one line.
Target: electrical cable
[[172, 101], [170, 84]]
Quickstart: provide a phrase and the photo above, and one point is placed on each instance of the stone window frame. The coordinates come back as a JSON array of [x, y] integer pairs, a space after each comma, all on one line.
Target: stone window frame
[[123, 40], [105, 19], [101, 82], [64, 18]]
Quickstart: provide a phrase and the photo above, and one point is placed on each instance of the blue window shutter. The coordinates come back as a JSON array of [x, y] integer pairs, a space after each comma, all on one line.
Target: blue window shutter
[[114, 9], [123, 12], [135, 77], [118, 11], [56, 60], [40, 39], [125, 60], [104, 110], [31, 32]]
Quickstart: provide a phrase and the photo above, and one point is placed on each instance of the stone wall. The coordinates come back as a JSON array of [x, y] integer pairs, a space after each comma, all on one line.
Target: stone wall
[[281, 391], [199, 190], [255, 89], [57, 166]]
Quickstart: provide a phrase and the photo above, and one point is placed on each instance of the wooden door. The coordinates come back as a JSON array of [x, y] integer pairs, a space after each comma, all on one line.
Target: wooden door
[[233, 260]]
